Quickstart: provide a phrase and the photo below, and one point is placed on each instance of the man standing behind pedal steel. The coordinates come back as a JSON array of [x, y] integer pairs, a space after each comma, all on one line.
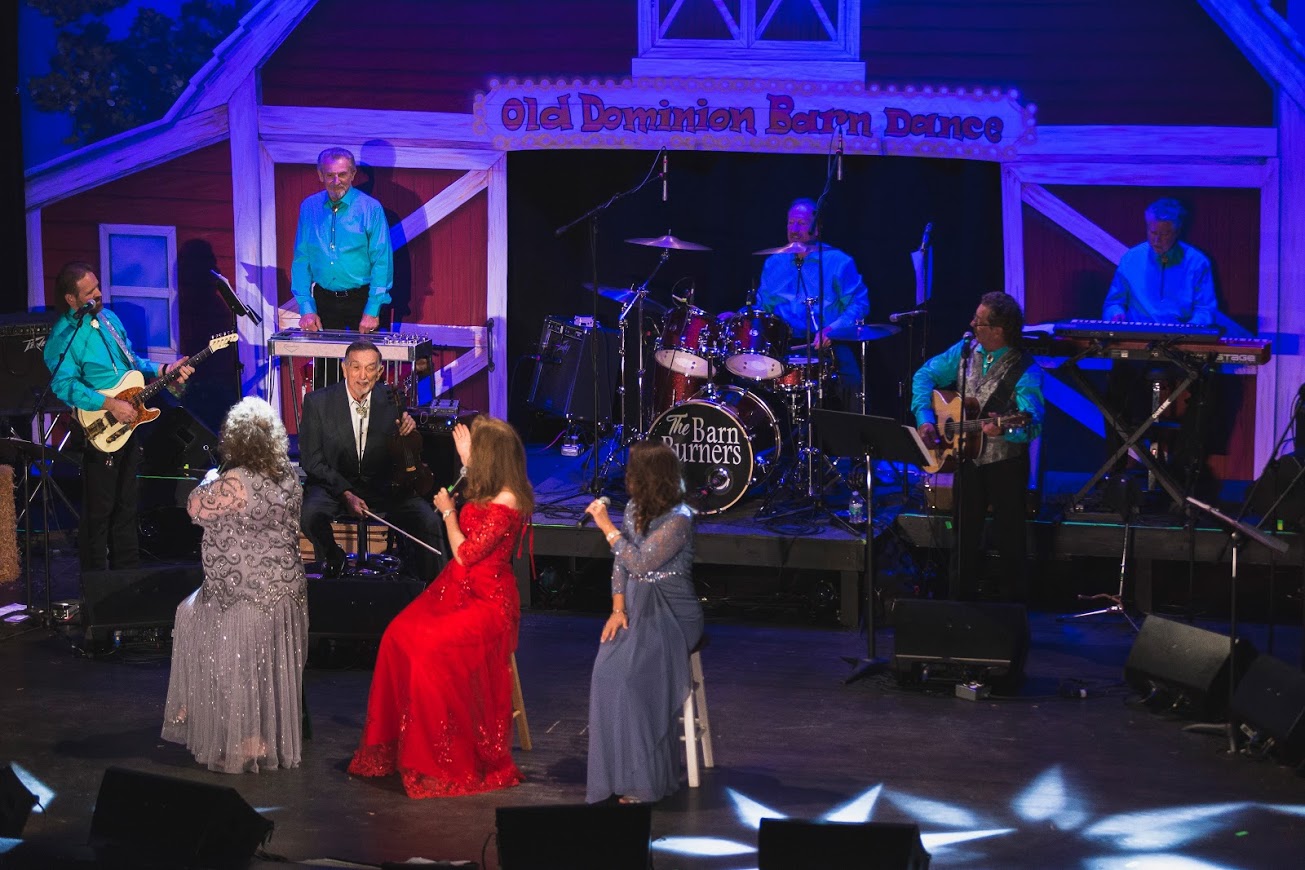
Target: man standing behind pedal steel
[[1003, 379], [343, 265], [98, 355]]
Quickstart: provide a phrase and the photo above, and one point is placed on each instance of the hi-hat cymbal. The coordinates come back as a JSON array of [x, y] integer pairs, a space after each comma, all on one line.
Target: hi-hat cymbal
[[669, 241], [623, 295], [799, 249], [864, 332]]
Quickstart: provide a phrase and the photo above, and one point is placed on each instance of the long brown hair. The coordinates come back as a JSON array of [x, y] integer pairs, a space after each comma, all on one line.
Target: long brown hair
[[498, 462], [652, 478]]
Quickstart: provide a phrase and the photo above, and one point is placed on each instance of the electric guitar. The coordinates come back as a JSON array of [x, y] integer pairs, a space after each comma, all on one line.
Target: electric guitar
[[961, 429], [106, 434]]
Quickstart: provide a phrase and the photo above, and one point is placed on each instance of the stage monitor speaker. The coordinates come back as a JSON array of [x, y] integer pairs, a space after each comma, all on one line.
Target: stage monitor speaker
[[149, 820], [1279, 494], [1271, 699], [23, 372], [1186, 665], [960, 640], [135, 598], [566, 371], [357, 608], [16, 803], [574, 837], [178, 444], [794, 844]]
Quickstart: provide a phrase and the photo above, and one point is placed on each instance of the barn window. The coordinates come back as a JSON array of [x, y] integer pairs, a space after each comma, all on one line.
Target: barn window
[[138, 276], [751, 38]]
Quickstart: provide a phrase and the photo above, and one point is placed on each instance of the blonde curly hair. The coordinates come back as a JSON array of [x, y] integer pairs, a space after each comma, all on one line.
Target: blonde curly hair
[[253, 437]]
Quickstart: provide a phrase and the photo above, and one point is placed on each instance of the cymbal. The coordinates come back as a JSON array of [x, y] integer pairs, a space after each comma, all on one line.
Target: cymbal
[[24, 449], [669, 241], [623, 295], [798, 249], [864, 332]]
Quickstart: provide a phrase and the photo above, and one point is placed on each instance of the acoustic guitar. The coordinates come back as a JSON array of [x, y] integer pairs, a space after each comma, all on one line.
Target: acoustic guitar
[[106, 434], [961, 429]]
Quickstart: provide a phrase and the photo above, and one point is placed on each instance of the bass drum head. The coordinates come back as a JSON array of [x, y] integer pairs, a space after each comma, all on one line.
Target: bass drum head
[[727, 445]]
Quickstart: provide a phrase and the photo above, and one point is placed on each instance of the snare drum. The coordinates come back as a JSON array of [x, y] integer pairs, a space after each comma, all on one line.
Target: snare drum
[[755, 343], [727, 444], [803, 372], [689, 342]]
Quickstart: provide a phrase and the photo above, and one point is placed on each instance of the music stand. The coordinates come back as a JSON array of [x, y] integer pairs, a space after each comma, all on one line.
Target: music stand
[[881, 438], [1237, 533]]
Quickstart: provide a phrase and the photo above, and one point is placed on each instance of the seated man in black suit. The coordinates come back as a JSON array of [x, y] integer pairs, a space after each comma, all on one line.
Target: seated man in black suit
[[344, 439]]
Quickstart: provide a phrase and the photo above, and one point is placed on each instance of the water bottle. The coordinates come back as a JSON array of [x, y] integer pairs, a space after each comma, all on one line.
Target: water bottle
[[856, 508]]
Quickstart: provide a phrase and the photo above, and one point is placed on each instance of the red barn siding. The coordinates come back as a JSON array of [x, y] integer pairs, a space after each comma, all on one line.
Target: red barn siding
[[440, 275], [419, 55]]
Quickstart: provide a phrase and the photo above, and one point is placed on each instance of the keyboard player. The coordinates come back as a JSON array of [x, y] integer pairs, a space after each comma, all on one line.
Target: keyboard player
[[1163, 280]]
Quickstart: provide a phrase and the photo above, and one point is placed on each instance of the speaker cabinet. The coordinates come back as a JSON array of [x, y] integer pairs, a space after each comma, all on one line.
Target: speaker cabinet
[[135, 598], [1271, 699], [148, 820], [22, 359], [568, 367], [1185, 665], [178, 444], [357, 608], [1279, 494], [574, 837], [959, 640], [792, 844]]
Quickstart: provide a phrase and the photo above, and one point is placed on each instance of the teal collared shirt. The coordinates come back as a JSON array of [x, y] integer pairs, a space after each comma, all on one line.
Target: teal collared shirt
[[940, 373], [1179, 289], [342, 248], [94, 361]]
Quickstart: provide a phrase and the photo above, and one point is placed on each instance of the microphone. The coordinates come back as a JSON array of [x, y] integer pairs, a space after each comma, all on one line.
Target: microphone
[[85, 309], [665, 161], [906, 315], [462, 477], [587, 517], [968, 348], [838, 154]]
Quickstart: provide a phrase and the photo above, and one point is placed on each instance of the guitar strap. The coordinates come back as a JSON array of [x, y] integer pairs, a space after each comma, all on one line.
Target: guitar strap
[[117, 339], [1000, 399]]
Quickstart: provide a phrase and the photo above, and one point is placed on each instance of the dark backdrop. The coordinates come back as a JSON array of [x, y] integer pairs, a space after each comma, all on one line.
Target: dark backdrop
[[735, 204]]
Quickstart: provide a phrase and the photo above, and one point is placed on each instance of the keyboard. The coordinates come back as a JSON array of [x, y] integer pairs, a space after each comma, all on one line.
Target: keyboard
[[1110, 330]]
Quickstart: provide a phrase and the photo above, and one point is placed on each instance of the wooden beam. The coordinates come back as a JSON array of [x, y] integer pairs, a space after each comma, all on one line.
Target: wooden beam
[[1127, 143], [438, 207], [1265, 45], [1251, 174], [459, 370], [496, 290], [1012, 232], [1266, 379], [123, 155], [405, 156], [1078, 226], [1290, 334], [247, 231], [423, 129], [35, 262], [242, 54]]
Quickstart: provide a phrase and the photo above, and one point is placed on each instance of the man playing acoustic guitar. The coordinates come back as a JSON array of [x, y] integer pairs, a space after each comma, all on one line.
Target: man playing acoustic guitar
[[99, 353], [1003, 389]]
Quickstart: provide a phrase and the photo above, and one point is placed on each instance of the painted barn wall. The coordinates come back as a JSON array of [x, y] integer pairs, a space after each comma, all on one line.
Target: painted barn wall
[[433, 56], [439, 275], [1079, 61]]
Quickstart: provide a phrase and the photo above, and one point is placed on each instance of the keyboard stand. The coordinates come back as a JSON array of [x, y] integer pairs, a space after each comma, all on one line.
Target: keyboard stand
[[1159, 473]]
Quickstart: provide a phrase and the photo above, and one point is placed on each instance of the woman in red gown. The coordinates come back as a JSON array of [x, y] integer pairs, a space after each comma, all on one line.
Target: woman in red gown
[[440, 708]]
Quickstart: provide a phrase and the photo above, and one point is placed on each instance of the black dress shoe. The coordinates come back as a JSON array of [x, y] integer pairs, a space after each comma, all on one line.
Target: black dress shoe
[[334, 567]]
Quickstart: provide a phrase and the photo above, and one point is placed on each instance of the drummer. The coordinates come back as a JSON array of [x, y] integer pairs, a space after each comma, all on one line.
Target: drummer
[[847, 301]]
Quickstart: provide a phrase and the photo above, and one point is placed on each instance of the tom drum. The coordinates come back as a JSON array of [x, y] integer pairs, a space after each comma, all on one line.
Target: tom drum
[[689, 341], [755, 344]]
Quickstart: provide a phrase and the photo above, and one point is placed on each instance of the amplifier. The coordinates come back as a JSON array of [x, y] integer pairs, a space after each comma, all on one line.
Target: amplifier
[[23, 373], [568, 368]]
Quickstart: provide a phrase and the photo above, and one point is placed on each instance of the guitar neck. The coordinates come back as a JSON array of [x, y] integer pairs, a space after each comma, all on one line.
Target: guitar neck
[[173, 373]]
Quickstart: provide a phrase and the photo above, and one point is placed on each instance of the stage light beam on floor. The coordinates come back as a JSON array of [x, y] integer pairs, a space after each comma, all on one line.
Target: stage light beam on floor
[[702, 847], [934, 812], [1154, 861], [856, 810], [750, 812], [1048, 799], [1163, 829], [939, 842], [44, 794]]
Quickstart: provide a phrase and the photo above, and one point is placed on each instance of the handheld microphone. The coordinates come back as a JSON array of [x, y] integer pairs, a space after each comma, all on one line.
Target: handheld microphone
[[665, 161], [462, 477], [838, 155], [587, 517], [906, 315]]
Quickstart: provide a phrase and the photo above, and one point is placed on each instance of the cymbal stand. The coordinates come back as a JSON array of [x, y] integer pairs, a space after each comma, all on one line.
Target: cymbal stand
[[1114, 603]]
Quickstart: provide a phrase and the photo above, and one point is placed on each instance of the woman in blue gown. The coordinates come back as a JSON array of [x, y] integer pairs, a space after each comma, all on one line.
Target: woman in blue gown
[[641, 675]]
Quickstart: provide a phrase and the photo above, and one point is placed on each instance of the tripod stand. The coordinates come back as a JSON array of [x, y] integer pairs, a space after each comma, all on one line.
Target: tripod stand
[[1115, 603]]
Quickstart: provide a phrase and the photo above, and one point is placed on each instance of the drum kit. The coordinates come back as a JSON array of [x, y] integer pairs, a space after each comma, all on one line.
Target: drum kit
[[729, 394]]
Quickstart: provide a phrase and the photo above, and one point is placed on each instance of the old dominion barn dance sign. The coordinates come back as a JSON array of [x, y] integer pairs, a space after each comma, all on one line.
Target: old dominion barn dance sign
[[746, 115]]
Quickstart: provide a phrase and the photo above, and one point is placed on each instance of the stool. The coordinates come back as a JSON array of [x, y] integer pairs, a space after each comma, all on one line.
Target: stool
[[519, 708], [365, 564], [697, 726]]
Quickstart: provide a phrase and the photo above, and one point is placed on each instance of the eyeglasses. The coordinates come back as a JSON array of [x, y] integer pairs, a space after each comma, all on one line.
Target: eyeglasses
[[977, 323]]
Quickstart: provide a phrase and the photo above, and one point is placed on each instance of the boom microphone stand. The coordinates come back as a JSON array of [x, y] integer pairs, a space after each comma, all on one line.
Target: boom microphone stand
[[592, 216]]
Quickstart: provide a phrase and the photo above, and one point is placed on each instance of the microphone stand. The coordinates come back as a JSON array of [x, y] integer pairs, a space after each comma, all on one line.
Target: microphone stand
[[238, 310], [958, 480], [592, 216]]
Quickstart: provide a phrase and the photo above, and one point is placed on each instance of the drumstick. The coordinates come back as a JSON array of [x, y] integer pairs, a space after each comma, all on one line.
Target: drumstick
[[412, 538]]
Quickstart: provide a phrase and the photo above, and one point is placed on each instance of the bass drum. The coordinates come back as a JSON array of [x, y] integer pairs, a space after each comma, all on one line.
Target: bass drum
[[728, 443]]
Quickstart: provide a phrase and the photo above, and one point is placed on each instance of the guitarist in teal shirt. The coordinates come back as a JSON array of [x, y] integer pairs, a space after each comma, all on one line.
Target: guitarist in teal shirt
[[98, 354]]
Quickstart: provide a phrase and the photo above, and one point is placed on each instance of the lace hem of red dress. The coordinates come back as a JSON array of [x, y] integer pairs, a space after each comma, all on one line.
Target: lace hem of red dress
[[379, 760]]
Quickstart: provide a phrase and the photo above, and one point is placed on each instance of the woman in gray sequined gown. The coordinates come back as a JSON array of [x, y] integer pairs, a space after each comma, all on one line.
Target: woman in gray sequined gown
[[235, 693], [641, 675]]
